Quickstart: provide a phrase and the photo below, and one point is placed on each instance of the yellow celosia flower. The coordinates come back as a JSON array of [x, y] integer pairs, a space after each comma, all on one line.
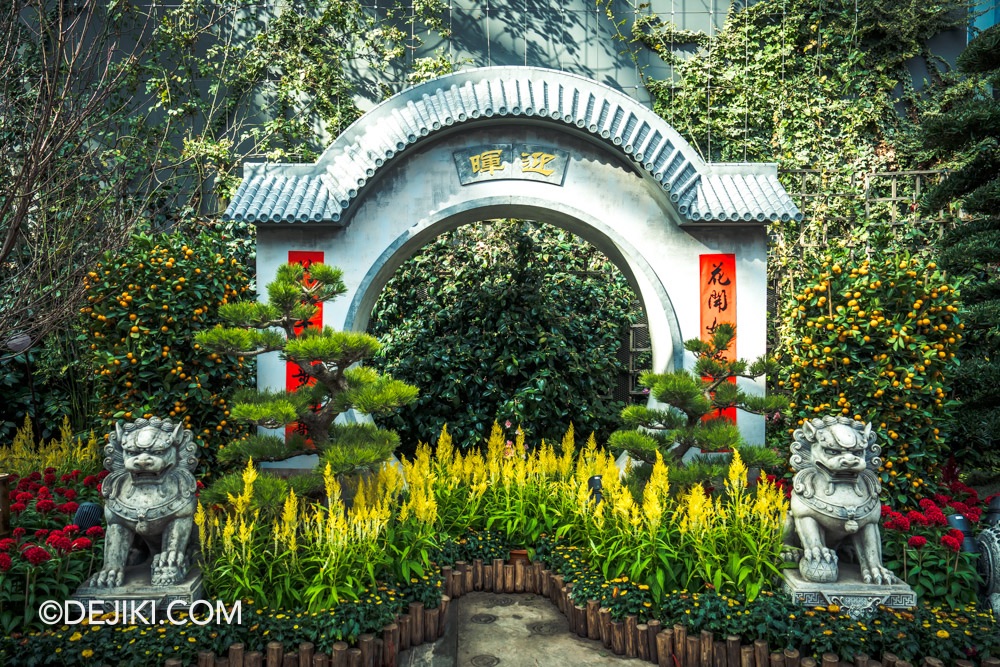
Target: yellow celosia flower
[[736, 481]]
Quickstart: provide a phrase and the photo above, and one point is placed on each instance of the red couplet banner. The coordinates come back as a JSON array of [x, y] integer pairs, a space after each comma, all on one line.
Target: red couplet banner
[[717, 274], [294, 378]]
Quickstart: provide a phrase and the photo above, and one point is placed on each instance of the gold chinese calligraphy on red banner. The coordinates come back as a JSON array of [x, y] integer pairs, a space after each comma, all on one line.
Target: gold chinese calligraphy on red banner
[[718, 303], [294, 377]]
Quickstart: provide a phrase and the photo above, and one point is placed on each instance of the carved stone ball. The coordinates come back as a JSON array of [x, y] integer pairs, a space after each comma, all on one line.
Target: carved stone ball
[[819, 571]]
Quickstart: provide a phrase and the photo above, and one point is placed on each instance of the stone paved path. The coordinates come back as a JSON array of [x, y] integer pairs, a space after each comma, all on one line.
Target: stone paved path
[[510, 630]]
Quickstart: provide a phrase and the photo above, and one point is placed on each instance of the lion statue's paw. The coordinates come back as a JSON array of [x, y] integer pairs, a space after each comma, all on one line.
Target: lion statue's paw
[[168, 569], [818, 554], [791, 554], [109, 578], [878, 575]]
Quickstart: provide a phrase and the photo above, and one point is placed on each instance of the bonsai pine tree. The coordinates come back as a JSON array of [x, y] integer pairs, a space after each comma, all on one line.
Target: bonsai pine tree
[[327, 360], [692, 401], [969, 134]]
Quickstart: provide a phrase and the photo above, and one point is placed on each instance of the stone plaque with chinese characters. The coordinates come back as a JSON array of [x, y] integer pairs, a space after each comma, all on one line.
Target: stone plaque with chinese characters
[[526, 162]]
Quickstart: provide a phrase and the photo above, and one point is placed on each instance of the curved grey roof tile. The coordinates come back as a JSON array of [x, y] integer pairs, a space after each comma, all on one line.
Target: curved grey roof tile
[[324, 191]]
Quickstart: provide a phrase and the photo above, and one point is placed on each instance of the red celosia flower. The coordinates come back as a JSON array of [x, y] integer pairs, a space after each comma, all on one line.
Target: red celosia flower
[[74, 474], [886, 510], [951, 542], [19, 532], [936, 518], [974, 514], [69, 494], [95, 532], [36, 555], [45, 506], [71, 528], [917, 541], [65, 478], [957, 534], [59, 541], [24, 497], [101, 475], [44, 492], [927, 503], [917, 518], [35, 476], [5, 562], [69, 507], [90, 480], [939, 498], [7, 544], [898, 522], [18, 507], [81, 543], [41, 533], [959, 507], [49, 470], [49, 478]]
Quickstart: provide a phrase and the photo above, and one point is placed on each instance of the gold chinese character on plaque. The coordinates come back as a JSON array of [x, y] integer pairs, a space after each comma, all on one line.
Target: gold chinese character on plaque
[[487, 161], [537, 162]]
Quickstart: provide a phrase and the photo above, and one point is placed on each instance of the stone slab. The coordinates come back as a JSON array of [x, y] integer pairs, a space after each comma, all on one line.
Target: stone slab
[[515, 630], [851, 593], [138, 589]]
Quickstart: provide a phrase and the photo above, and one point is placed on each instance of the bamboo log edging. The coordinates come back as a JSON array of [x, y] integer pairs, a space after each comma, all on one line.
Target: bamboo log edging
[[650, 641]]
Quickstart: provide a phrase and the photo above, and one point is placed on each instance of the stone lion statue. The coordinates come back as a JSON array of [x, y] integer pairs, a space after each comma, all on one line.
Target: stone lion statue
[[835, 496], [149, 500]]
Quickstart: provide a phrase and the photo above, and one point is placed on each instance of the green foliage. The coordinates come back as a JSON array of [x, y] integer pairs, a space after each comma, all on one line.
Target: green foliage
[[107, 644], [325, 357], [144, 306], [281, 82], [926, 631], [260, 448], [512, 321], [689, 398], [357, 447], [807, 84], [269, 492], [876, 340], [967, 132]]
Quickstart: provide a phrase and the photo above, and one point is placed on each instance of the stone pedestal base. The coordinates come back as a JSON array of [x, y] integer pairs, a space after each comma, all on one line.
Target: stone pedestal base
[[850, 592], [137, 591]]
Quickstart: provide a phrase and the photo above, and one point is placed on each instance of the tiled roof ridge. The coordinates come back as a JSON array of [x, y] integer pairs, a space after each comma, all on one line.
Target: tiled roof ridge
[[702, 192]]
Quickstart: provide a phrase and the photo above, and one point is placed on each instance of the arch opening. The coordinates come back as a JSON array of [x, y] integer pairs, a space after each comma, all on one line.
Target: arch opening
[[517, 321]]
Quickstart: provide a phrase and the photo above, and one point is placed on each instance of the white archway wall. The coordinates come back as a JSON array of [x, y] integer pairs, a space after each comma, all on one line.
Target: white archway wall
[[602, 199]]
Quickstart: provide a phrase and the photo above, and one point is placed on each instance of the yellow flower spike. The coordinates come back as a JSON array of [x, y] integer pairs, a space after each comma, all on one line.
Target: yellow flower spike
[[445, 449], [568, 439], [659, 479], [332, 488], [736, 481], [227, 534], [199, 520]]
